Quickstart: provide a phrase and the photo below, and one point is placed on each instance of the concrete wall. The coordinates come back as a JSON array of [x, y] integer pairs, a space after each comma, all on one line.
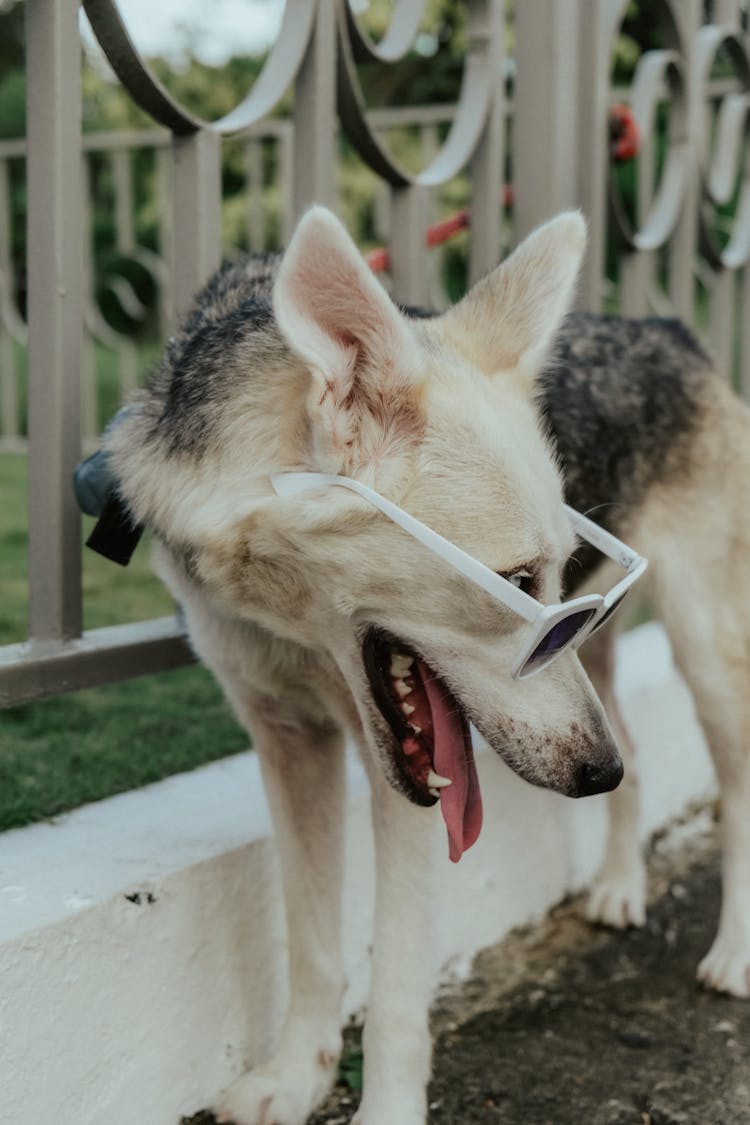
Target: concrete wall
[[142, 938]]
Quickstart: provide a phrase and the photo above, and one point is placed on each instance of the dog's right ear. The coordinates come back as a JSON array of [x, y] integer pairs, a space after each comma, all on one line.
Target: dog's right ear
[[358, 347], [509, 319]]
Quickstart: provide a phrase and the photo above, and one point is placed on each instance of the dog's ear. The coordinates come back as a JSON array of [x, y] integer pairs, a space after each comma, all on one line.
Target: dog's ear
[[510, 318], [338, 319]]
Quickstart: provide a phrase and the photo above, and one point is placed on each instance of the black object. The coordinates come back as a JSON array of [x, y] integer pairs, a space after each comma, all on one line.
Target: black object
[[115, 535]]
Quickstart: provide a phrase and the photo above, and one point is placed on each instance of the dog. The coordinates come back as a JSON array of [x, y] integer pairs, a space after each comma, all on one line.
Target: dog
[[321, 616]]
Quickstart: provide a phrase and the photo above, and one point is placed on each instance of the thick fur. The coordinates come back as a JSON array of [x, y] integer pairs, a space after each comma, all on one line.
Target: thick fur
[[466, 420]]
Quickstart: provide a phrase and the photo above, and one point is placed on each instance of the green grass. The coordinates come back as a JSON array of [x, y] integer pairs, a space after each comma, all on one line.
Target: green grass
[[60, 753]]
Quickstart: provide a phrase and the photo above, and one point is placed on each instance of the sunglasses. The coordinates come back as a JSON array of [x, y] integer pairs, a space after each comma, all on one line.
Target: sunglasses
[[554, 628]]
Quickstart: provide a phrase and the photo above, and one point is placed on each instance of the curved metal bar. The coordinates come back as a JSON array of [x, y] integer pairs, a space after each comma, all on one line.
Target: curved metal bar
[[351, 108], [473, 104], [148, 92], [730, 131], [721, 168], [400, 35], [615, 11], [653, 70]]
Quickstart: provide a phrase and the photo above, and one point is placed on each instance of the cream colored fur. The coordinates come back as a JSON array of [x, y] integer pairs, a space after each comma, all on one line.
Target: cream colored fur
[[437, 415]]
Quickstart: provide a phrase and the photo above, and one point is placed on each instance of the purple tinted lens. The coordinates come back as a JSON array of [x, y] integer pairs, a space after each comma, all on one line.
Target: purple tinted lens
[[559, 637]]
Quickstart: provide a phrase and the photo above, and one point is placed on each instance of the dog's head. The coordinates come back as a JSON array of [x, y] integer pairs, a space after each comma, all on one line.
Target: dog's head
[[439, 416]]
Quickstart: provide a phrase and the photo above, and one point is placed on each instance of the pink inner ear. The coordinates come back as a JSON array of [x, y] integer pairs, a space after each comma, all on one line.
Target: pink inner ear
[[346, 303], [333, 311]]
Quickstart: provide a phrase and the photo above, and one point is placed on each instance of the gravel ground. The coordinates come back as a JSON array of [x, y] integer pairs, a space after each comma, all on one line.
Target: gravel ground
[[565, 1024]]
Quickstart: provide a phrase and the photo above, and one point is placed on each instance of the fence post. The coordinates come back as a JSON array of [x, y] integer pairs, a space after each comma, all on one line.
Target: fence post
[[683, 243], [488, 161], [9, 406], [410, 278], [596, 30], [315, 115], [196, 222], [545, 143], [55, 270]]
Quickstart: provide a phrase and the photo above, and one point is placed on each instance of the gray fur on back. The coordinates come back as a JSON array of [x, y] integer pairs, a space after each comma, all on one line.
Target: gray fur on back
[[621, 398]]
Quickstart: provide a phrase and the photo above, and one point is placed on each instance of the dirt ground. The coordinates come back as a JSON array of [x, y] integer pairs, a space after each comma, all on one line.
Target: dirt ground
[[565, 1024]]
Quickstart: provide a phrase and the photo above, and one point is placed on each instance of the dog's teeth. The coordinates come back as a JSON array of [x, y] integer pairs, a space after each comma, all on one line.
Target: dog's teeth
[[415, 728], [407, 708], [400, 665], [434, 792], [435, 781], [402, 689]]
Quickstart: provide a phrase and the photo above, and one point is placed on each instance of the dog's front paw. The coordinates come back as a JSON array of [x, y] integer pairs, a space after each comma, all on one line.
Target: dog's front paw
[[618, 899], [366, 1118], [397, 1108], [284, 1092], [726, 966]]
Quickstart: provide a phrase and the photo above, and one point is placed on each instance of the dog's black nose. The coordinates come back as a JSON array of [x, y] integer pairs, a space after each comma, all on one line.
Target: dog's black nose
[[596, 778]]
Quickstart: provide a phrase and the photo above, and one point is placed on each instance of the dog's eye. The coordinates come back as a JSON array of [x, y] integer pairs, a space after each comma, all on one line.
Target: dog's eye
[[522, 580]]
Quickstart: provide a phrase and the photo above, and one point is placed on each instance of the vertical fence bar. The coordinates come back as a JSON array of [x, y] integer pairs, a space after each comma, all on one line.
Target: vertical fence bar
[[429, 143], [286, 174], [256, 220], [544, 127], [55, 315], [722, 319], [122, 174], [9, 406], [163, 189], [315, 115], [727, 12], [487, 172], [744, 314], [637, 267], [683, 246], [122, 171], [88, 385], [196, 218], [724, 290], [596, 29], [410, 280]]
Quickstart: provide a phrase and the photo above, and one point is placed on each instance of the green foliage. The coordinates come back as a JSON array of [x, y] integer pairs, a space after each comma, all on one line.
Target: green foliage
[[12, 105], [350, 1066], [64, 752], [59, 753]]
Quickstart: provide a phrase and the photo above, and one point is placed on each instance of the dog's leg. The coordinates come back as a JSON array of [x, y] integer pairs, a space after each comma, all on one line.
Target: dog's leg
[[722, 708], [618, 896], [726, 966], [709, 638], [397, 1043], [302, 764]]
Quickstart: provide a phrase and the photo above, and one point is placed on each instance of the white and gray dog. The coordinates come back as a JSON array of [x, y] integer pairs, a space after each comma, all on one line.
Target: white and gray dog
[[411, 576]]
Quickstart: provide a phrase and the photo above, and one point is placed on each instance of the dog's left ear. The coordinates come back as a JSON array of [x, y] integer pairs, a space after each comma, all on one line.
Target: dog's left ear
[[359, 349], [509, 319]]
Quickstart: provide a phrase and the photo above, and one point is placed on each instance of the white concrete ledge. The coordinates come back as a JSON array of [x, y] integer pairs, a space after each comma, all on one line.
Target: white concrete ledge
[[142, 939]]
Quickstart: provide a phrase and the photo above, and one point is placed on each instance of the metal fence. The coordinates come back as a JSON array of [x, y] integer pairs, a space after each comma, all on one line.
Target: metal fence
[[682, 232]]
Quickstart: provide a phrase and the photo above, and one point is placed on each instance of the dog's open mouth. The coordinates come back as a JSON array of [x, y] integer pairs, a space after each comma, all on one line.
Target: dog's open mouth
[[433, 755]]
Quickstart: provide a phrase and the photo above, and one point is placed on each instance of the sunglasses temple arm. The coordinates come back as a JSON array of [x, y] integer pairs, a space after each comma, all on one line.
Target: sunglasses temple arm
[[290, 484], [604, 541]]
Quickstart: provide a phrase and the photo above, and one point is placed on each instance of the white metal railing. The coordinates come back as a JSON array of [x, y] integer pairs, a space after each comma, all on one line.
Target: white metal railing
[[559, 156]]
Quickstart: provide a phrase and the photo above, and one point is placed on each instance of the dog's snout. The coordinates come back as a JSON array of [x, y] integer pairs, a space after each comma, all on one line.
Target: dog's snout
[[595, 777]]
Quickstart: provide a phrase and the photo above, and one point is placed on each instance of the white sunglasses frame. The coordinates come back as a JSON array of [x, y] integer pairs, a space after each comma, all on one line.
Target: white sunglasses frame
[[542, 617]]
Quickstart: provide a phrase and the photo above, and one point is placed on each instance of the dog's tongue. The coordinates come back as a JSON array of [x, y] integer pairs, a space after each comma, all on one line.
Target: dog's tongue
[[460, 802]]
